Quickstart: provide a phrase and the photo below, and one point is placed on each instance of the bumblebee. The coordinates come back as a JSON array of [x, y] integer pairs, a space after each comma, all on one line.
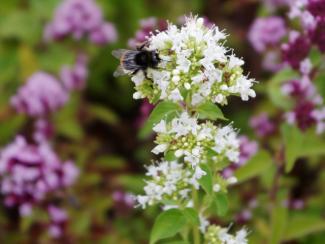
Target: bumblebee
[[132, 61]]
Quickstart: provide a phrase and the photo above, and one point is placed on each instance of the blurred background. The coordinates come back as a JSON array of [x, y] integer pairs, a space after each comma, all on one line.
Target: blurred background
[[88, 118]]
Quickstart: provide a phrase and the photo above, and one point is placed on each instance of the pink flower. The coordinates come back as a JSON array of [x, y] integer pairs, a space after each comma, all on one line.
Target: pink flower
[[29, 172], [262, 125], [41, 94], [266, 32], [74, 78], [80, 18], [296, 50]]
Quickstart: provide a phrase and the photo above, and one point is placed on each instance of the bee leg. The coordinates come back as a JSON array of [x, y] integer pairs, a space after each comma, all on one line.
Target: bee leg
[[136, 71], [141, 46]]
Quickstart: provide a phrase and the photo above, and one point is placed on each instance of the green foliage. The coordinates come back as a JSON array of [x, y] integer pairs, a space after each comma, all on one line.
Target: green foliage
[[167, 224], [302, 225], [298, 144], [256, 166], [278, 223], [274, 88], [206, 181], [164, 110], [220, 201], [209, 110]]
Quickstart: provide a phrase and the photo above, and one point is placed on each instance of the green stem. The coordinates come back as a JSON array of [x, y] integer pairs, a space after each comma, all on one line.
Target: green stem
[[196, 231]]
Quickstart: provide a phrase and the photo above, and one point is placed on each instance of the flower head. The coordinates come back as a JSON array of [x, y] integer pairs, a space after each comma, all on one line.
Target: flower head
[[194, 67], [196, 142], [217, 235], [30, 171], [74, 78], [266, 32], [41, 94], [80, 18]]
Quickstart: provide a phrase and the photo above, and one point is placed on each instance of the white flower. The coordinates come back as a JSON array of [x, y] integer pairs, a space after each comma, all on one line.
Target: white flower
[[204, 223], [160, 127], [232, 180], [216, 187], [193, 57], [235, 62], [159, 148]]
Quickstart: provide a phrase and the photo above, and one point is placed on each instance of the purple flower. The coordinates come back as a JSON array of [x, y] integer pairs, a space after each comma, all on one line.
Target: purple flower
[[44, 130], [302, 115], [58, 218], [74, 78], [30, 171], [262, 125], [316, 8], [41, 94], [147, 26], [296, 50], [80, 18], [126, 199], [266, 32], [271, 61], [247, 149], [145, 110], [105, 33], [318, 35]]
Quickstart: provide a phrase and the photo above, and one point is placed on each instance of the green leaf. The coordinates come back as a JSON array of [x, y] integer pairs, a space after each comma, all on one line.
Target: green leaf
[[192, 216], [161, 111], [293, 142], [257, 165], [167, 224], [206, 181], [278, 223], [274, 88], [209, 110], [300, 226], [170, 156], [103, 113], [221, 203]]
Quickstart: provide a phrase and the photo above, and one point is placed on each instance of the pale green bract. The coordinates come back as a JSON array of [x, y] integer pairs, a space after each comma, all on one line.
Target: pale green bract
[[194, 67]]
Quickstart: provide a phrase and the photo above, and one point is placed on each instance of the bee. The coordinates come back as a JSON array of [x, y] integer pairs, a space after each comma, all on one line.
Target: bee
[[133, 61]]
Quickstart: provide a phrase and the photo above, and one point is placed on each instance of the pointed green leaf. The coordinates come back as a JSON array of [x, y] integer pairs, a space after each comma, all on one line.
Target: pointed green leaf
[[161, 111], [209, 110], [278, 223], [300, 226], [206, 181], [293, 143], [221, 202], [257, 165], [192, 216], [167, 224]]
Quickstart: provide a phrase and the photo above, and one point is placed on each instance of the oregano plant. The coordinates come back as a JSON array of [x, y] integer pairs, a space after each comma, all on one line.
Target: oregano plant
[[195, 73]]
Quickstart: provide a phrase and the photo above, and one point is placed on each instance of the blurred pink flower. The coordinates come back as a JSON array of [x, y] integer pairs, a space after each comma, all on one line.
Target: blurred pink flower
[[147, 26], [80, 18], [296, 50], [41, 95], [30, 171], [74, 78], [44, 130], [145, 110], [262, 125], [266, 32]]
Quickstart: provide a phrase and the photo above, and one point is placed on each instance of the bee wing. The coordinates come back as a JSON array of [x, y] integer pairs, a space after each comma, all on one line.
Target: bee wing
[[119, 53], [119, 71]]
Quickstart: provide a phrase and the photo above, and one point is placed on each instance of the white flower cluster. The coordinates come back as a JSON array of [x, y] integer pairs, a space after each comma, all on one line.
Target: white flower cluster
[[196, 142], [169, 183], [194, 67], [217, 235]]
